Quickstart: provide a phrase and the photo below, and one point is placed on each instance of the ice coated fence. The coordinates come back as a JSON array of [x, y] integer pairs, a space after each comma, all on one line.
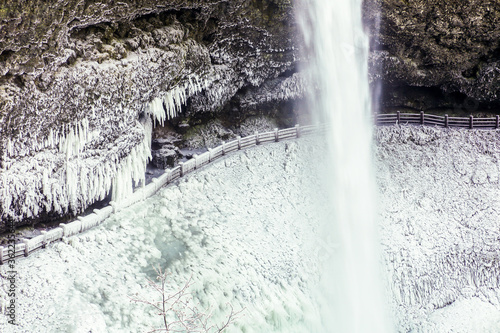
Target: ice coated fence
[[84, 223], [433, 120]]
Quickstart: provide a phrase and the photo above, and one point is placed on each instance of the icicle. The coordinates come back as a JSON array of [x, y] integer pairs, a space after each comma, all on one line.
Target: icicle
[[50, 139], [133, 168], [191, 86], [84, 187], [81, 137], [198, 86], [9, 147]]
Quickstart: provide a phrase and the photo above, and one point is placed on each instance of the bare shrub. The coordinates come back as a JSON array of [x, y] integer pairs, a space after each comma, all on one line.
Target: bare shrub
[[177, 309]]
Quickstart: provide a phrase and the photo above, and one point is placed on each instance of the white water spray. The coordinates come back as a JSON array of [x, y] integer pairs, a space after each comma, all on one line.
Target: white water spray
[[336, 47]]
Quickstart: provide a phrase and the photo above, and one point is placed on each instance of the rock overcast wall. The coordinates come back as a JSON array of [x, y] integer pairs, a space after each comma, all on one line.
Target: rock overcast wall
[[436, 54], [77, 79]]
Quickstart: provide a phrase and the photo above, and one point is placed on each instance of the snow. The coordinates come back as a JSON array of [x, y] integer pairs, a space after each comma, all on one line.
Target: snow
[[248, 230], [440, 216], [244, 228]]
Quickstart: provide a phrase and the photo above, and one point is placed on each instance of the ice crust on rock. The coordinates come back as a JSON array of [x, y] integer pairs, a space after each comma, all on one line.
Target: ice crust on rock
[[74, 179], [440, 220], [170, 105]]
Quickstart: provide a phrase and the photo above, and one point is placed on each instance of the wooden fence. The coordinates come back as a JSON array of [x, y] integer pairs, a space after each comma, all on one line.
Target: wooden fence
[[433, 120], [84, 223]]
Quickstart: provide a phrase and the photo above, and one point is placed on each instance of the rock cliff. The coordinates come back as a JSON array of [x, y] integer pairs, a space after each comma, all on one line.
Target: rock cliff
[[436, 54], [81, 82]]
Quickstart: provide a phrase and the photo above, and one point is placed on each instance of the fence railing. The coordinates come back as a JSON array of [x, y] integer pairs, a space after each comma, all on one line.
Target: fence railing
[[83, 223], [433, 120]]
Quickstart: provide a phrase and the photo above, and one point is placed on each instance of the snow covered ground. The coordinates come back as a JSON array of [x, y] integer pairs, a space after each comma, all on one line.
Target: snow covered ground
[[247, 229], [440, 209]]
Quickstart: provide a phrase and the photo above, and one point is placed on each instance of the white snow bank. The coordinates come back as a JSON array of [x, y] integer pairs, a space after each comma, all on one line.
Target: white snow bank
[[245, 229], [248, 229], [440, 209]]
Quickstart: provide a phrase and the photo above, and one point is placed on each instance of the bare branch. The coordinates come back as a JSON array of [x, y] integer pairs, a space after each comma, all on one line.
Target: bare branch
[[187, 318]]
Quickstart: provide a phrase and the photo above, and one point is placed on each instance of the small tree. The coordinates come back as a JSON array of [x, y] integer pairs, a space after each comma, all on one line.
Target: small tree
[[187, 318]]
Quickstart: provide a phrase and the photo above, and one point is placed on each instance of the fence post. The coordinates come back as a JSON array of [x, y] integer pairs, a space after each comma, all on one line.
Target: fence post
[[63, 225], [446, 120], [276, 134], [297, 130], [111, 203], [223, 147], [182, 168], [471, 122], [195, 156], [44, 233], [398, 118], [209, 155], [169, 175], [239, 142], [257, 138], [26, 247], [155, 182], [1, 255], [497, 121], [421, 117]]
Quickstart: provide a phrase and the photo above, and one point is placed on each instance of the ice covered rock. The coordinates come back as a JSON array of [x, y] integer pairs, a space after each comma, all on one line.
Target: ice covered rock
[[165, 157]]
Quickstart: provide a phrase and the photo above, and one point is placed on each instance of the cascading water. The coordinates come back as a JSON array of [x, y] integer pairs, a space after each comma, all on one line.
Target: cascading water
[[336, 49]]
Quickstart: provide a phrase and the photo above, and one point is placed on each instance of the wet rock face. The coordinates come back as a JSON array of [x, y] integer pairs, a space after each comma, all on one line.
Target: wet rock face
[[440, 53], [77, 78]]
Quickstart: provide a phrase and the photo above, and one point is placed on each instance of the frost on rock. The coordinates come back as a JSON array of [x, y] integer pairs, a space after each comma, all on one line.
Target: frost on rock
[[85, 160], [219, 86], [66, 178], [440, 220], [169, 106]]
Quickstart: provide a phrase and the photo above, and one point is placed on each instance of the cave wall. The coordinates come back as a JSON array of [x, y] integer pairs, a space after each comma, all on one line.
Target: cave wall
[[78, 79], [431, 54]]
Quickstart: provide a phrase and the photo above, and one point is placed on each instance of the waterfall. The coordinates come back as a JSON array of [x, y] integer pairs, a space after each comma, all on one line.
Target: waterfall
[[335, 46]]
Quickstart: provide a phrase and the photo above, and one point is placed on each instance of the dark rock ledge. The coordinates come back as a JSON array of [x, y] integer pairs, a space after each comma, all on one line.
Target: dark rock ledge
[[436, 55]]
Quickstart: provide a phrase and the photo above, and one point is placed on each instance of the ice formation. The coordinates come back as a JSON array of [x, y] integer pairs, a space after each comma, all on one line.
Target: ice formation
[[71, 182], [132, 170], [68, 183], [70, 139], [440, 219], [169, 106]]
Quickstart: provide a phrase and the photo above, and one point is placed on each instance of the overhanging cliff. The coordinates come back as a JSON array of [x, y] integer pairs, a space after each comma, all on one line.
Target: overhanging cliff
[[81, 80]]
